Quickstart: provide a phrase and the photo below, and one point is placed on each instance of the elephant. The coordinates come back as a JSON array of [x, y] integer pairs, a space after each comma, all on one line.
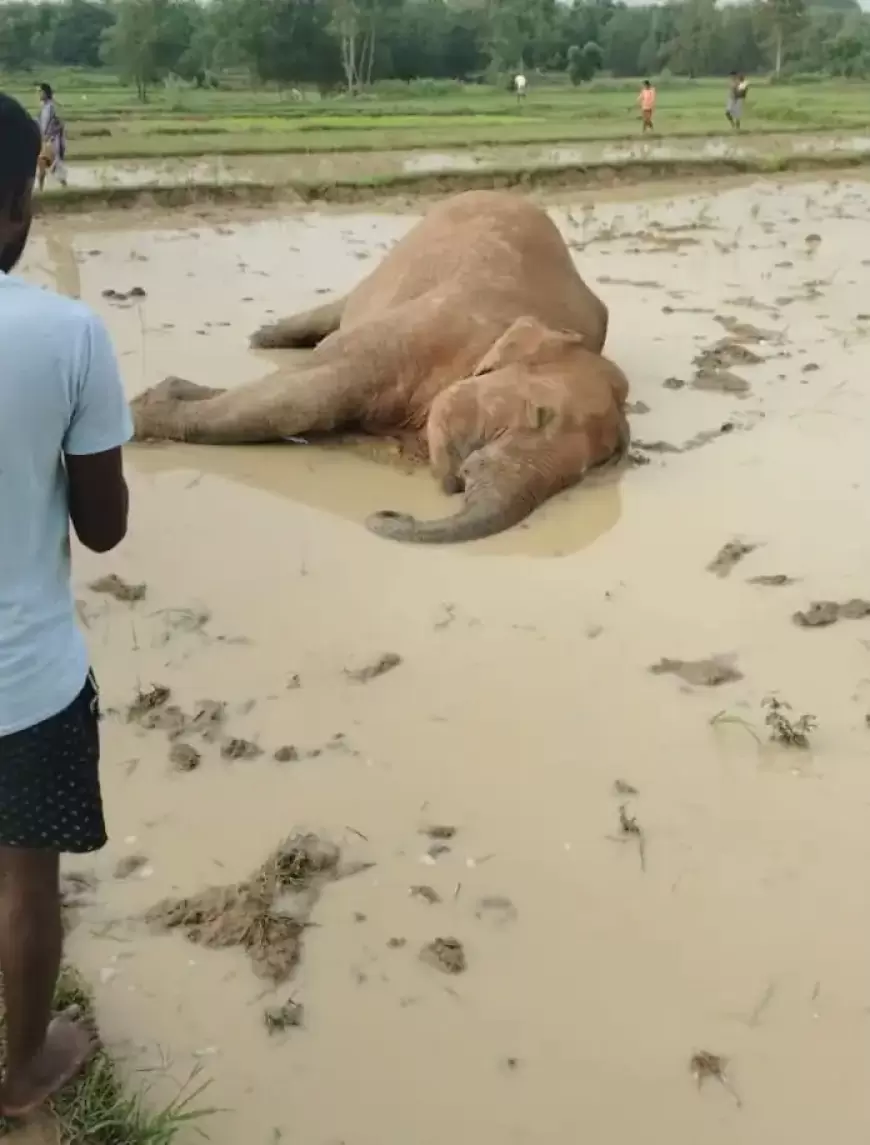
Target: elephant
[[475, 337]]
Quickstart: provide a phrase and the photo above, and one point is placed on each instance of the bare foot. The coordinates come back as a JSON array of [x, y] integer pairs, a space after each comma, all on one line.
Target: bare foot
[[67, 1047]]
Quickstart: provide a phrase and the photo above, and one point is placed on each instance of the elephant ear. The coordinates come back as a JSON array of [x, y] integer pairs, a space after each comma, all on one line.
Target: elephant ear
[[528, 342]]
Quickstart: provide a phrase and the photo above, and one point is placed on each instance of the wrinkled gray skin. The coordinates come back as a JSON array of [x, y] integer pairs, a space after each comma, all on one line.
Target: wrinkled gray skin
[[476, 334]]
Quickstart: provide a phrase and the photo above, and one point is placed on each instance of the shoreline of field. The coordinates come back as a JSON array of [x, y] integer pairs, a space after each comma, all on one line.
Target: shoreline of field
[[579, 176]]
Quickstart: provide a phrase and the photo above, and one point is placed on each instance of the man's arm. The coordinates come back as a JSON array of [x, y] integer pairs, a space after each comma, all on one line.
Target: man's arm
[[98, 499], [99, 426]]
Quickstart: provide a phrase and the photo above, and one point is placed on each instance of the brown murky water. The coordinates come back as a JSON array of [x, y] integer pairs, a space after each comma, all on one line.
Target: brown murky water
[[523, 695]]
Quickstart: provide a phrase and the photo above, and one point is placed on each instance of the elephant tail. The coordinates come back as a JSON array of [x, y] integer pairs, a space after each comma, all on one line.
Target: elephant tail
[[484, 513]]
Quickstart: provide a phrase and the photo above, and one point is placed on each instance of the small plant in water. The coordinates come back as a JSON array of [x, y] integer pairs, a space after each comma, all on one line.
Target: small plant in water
[[784, 729]]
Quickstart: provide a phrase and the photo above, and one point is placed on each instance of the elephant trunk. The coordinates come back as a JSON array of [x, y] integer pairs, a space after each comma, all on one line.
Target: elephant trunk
[[486, 511]]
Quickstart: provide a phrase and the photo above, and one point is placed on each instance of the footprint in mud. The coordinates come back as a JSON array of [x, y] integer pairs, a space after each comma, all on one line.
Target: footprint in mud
[[497, 909], [822, 613], [731, 553], [708, 673], [114, 586]]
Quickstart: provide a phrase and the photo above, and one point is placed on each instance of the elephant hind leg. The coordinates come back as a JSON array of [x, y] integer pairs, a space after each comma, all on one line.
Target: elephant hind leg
[[300, 331]]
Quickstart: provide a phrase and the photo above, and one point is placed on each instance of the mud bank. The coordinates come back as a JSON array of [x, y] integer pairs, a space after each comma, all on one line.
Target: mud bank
[[367, 188], [595, 874]]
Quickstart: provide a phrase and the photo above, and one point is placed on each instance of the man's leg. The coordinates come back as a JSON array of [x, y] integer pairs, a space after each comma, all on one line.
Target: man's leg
[[41, 1054], [49, 803]]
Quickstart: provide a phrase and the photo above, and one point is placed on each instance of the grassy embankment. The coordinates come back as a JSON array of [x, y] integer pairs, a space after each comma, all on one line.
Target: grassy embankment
[[107, 125]]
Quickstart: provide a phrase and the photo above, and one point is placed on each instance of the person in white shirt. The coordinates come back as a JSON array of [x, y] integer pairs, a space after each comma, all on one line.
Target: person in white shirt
[[63, 420], [520, 86]]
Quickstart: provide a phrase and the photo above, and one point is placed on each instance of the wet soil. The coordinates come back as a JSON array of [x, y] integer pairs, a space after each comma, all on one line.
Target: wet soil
[[523, 696]]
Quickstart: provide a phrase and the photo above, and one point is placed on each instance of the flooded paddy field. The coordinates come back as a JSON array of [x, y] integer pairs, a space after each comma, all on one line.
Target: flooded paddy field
[[348, 165], [558, 765]]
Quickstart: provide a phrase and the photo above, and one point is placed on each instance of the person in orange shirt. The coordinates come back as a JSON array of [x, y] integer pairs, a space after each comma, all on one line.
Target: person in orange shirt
[[647, 101]]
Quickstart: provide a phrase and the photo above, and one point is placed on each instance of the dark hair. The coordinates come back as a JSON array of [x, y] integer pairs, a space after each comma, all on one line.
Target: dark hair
[[45, 88], [20, 142], [646, 83]]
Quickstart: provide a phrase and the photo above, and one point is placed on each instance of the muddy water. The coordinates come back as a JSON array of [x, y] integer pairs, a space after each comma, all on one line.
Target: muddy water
[[278, 168], [523, 695]]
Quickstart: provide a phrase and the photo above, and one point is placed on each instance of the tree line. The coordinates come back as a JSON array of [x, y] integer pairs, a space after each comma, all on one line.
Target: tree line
[[352, 43]]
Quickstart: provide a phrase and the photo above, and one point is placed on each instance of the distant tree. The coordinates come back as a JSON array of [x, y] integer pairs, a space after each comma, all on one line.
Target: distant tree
[[147, 40], [785, 17], [583, 62]]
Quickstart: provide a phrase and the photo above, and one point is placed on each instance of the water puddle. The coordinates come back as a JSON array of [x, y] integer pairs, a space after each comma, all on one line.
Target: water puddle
[[280, 168], [519, 708]]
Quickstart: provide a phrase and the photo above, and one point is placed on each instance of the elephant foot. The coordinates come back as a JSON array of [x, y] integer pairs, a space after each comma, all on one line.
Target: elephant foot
[[174, 389], [155, 412], [269, 338]]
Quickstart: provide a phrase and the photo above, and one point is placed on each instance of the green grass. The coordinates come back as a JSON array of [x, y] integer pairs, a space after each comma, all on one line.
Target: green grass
[[106, 121], [99, 1109]]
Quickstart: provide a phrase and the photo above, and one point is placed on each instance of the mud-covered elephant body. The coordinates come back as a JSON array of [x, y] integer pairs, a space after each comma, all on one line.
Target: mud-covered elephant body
[[475, 333]]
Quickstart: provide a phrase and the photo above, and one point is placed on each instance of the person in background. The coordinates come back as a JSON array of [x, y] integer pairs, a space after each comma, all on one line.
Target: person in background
[[63, 420], [52, 156], [647, 102], [520, 87], [736, 99]]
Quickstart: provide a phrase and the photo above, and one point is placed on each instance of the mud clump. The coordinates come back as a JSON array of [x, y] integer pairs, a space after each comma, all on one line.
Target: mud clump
[[286, 754], [236, 748], [247, 914], [708, 673], [713, 366], [725, 354], [445, 954], [438, 831], [118, 588], [721, 381], [773, 580], [431, 896], [822, 613], [386, 662], [744, 332], [276, 1019], [728, 556], [124, 295], [184, 757], [147, 702], [704, 1066]]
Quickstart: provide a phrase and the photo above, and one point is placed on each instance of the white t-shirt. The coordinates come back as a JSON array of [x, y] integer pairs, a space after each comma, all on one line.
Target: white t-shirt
[[520, 82], [60, 392]]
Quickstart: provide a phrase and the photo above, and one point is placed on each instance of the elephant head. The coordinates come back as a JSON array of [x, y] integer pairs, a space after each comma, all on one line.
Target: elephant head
[[536, 413]]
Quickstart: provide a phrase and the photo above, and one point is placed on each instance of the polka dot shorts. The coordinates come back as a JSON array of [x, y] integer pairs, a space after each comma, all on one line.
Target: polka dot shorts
[[50, 782]]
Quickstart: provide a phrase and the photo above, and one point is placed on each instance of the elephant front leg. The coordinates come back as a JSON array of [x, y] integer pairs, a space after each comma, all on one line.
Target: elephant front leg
[[300, 331], [281, 406]]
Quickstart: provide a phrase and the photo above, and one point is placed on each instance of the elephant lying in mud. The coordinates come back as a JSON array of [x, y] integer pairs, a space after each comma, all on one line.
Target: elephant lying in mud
[[476, 336]]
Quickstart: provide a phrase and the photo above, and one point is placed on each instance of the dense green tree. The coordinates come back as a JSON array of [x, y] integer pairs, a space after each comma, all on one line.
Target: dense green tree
[[354, 42]]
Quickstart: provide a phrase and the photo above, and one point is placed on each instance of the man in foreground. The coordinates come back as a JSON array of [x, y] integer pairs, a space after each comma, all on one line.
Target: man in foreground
[[63, 420]]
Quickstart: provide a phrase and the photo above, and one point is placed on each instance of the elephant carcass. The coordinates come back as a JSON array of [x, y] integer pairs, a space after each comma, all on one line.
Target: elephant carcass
[[476, 333]]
